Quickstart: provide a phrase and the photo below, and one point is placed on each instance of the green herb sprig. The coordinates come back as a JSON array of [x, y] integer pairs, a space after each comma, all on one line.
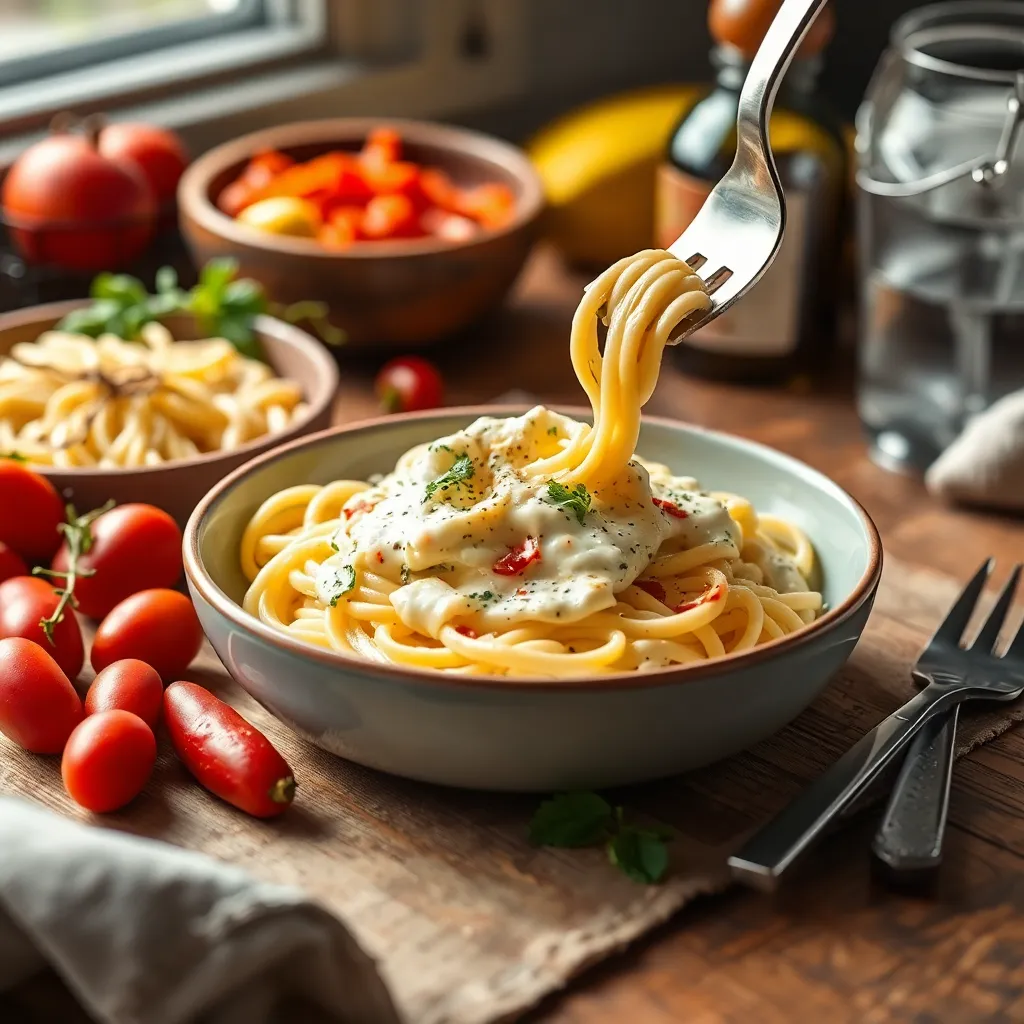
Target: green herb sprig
[[223, 304], [576, 501], [572, 820], [342, 581], [462, 469]]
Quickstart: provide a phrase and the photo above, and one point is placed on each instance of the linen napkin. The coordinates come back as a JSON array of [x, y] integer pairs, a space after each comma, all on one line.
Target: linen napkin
[[985, 464], [146, 933]]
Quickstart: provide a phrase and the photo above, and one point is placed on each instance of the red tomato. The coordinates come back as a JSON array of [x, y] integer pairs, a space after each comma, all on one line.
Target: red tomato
[[158, 627], [38, 705], [25, 600], [129, 685], [134, 547], [234, 198], [408, 384], [452, 227], [106, 212], [390, 216], [492, 205], [439, 189], [30, 512], [226, 754], [10, 564], [108, 760], [157, 153], [516, 559]]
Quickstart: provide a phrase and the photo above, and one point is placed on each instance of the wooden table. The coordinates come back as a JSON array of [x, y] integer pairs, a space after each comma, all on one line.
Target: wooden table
[[836, 946]]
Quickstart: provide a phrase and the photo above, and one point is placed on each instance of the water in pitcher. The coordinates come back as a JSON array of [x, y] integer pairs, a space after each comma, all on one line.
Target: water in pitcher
[[942, 265], [942, 329]]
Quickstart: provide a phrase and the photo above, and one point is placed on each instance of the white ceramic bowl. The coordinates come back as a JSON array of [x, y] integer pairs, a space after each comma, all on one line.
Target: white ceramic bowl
[[508, 734]]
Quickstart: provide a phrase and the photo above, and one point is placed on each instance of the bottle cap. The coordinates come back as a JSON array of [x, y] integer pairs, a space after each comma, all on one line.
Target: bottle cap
[[742, 24]]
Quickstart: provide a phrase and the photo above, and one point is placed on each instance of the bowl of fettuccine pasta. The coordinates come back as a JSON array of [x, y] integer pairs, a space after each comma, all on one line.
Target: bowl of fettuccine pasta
[[159, 419]]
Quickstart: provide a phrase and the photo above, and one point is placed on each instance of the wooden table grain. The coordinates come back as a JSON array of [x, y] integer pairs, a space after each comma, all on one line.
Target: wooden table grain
[[838, 945]]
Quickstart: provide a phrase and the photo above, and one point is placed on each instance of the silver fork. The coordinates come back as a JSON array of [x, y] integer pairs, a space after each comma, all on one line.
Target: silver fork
[[738, 231], [949, 675], [909, 839]]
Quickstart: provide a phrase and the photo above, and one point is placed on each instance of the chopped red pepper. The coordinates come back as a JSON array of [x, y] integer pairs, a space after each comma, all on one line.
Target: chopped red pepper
[[359, 506], [466, 631], [380, 557], [671, 508], [515, 560], [708, 595], [652, 587]]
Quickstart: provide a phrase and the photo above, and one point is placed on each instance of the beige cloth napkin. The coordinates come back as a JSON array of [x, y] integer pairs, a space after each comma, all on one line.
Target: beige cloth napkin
[[146, 933], [985, 464]]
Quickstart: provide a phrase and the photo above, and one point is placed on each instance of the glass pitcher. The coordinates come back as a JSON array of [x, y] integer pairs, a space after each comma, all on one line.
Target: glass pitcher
[[941, 227]]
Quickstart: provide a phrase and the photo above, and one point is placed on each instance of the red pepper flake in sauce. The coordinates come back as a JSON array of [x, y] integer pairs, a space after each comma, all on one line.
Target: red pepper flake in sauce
[[671, 508], [466, 631], [359, 506], [708, 595], [380, 557], [516, 559], [652, 587]]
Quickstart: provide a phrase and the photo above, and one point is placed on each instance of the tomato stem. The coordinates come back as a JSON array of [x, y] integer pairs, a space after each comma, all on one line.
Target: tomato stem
[[283, 791], [78, 533], [391, 400]]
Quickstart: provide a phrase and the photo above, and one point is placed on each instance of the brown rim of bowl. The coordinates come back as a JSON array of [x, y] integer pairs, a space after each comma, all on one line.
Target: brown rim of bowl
[[194, 200], [669, 675], [326, 367]]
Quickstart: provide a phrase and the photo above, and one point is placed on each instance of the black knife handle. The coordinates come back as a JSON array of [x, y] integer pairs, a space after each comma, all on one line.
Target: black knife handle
[[909, 840]]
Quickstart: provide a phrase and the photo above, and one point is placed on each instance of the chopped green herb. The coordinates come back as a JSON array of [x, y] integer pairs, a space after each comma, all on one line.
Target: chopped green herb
[[461, 471], [334, 546], [571, 819], [440, 448], [13, 456], [487, 595], [553, 431], [576, 501], [340, 582], [587, 819]]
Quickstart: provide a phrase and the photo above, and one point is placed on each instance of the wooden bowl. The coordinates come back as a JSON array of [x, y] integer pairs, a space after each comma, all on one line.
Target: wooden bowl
[[389, 294], [177, 487]]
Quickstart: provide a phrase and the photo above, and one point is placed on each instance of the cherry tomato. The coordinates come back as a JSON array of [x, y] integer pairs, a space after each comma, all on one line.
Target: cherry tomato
[[25, 600], [134, 547], [38, 705], [408, 384], [129, 685], [108, 759], [10, 564], [158, 627], [30, 512], [226, 754]]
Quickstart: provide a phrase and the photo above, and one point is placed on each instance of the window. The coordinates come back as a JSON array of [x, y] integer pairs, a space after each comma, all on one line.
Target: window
[[104, 53]]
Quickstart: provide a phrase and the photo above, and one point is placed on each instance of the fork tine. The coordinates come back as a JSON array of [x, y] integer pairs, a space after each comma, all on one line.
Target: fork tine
[[989, 633], [697, 260], [955, 622]]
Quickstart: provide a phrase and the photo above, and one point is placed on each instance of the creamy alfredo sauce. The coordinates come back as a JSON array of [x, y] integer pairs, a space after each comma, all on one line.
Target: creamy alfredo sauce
[[454, 508]]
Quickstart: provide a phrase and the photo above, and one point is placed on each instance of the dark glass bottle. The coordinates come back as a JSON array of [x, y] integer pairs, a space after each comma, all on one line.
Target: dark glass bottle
[[785, 326]]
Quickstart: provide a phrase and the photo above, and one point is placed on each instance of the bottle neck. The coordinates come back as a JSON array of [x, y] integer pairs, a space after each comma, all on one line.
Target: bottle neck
[[732, 67]]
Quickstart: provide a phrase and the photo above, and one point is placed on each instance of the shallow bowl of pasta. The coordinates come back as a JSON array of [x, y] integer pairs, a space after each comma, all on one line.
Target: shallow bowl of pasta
[[159, 420], [422, 595]]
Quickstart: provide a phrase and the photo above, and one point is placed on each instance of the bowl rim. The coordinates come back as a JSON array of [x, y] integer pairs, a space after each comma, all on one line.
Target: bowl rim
[[194, 202], [327, 377], [668, 675]]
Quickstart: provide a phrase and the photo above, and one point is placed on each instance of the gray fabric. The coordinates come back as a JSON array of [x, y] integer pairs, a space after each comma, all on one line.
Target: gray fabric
[[145, 933]]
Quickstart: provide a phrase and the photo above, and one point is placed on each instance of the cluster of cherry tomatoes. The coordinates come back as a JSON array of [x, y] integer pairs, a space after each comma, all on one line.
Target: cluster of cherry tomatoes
[[117, 566]]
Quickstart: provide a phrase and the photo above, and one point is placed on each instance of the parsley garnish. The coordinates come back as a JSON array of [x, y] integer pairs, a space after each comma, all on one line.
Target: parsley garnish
[[334, 546], [13, 456], [339, 583], [460, 471], [553, 431], [577, 500], [587, 819], [487, 595]]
